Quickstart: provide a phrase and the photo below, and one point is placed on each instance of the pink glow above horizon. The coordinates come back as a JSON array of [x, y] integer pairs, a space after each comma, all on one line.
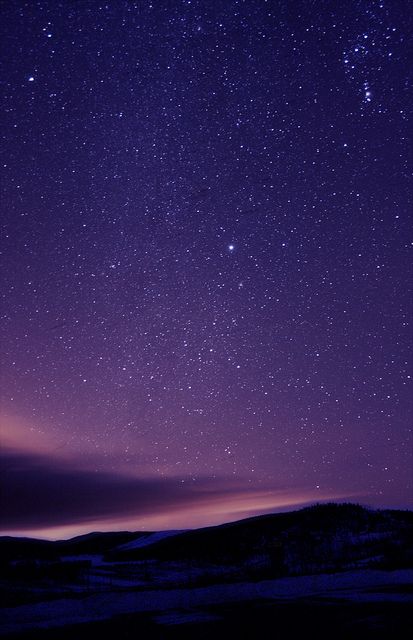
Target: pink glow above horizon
[[210, 514], [214, 502]]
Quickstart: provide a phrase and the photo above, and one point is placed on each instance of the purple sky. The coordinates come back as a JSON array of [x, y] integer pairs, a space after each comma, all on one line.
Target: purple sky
[[205, 260]]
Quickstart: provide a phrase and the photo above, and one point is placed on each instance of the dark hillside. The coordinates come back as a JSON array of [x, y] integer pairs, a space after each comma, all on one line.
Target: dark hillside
[[321, 538]]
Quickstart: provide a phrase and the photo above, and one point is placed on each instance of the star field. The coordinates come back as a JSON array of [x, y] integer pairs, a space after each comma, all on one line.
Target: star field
[[205, 214]]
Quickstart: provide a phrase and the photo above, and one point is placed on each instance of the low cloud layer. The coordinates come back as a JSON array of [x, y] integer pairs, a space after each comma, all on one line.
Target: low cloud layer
[[41, 492], [37, 491]]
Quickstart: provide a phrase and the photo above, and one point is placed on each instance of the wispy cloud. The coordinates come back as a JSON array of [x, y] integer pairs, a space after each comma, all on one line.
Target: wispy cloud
[[42, 492]]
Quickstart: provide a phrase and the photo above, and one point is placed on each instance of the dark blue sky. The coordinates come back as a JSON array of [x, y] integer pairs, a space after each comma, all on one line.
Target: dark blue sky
[[206, 257]]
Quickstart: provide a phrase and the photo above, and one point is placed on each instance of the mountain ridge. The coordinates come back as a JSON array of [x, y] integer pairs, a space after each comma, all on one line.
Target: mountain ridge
[[330, 536]]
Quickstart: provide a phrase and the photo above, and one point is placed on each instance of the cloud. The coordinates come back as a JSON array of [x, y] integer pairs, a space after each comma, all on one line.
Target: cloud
[[41, 493]]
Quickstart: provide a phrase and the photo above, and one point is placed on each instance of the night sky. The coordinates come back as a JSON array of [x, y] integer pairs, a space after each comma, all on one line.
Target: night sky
[[205, 260]]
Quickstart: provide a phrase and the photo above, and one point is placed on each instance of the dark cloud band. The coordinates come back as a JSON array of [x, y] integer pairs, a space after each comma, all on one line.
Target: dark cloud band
[[45, 492]]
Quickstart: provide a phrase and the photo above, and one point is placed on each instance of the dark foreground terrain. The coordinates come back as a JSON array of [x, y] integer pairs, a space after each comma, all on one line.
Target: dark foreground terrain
[[253, 621], [330, 571]]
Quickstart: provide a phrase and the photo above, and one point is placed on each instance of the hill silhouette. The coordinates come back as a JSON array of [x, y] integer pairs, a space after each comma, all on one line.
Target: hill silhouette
[[356, 560]]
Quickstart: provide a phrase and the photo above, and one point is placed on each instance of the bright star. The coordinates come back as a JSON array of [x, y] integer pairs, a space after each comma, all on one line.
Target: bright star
[[231, 247]]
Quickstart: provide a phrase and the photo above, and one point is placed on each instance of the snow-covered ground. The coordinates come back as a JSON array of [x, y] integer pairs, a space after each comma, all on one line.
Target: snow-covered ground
[[354, 586], [145, 541]]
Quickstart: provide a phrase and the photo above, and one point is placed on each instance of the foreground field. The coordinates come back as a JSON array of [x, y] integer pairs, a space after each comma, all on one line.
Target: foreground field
[[339, 571]]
